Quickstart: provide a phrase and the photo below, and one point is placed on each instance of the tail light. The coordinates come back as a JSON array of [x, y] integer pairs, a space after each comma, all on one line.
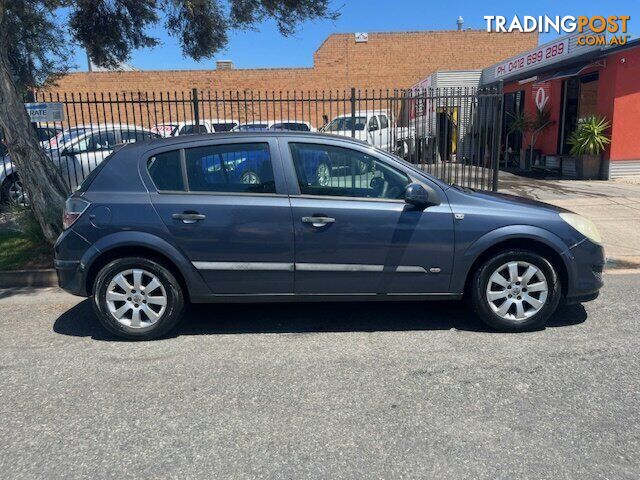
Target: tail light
[[73, 208]]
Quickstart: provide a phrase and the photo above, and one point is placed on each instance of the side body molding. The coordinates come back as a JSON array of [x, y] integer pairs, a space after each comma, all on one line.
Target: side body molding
[[466, 254], [193, 279]]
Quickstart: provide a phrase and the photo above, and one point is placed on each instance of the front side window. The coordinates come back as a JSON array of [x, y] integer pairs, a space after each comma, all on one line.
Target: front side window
[[384, 121], [239, 168], [325, 170], [373, 124]]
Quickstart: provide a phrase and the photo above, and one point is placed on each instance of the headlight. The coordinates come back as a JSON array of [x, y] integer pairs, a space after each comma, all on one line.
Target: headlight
[[583, 225]]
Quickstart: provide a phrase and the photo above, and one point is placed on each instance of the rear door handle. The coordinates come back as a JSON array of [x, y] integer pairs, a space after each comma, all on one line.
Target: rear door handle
[[188, 217], [319, 221]]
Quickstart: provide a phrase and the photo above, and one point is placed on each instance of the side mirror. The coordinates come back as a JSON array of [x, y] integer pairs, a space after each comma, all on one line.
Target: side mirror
[[417, 195]]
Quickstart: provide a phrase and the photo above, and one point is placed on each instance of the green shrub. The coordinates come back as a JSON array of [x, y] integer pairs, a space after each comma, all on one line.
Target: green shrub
[[589, 137]]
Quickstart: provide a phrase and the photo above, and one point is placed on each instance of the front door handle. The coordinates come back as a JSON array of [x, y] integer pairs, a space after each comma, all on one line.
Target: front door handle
[[188, 217], [319, 221]]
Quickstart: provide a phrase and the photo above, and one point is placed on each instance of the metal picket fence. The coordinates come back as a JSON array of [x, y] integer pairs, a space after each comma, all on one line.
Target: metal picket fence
[[451, 133]]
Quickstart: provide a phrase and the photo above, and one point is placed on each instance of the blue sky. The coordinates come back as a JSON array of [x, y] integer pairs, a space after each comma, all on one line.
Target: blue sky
[[265, 47]]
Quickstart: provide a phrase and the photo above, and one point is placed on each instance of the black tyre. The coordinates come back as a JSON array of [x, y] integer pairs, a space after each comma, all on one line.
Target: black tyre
[[515, 291], [13, 192], [137, 299]]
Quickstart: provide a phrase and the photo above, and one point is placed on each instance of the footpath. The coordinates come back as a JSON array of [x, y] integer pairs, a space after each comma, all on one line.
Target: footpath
[[613, 205]]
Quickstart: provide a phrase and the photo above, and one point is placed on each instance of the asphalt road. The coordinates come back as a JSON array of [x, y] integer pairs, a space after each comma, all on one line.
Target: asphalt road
[[321, 391]]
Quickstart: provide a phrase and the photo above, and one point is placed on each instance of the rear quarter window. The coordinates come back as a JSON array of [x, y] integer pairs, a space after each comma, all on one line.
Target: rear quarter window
[[166, 171]]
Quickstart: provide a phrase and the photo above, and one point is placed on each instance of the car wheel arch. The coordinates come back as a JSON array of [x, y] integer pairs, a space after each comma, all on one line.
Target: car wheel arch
[[543, 244], [130, 244]]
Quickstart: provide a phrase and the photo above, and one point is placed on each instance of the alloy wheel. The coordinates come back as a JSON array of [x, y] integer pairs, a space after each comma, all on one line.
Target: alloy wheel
[[250, 178], [517, 290], [16, 193], [136, 298]]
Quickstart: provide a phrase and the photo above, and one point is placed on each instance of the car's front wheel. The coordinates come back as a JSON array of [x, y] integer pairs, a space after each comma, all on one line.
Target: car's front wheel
[[516, 290], [137, 298]]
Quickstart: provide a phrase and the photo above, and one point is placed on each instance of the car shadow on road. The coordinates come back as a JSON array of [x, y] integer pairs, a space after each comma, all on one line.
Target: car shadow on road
[[80, 321]]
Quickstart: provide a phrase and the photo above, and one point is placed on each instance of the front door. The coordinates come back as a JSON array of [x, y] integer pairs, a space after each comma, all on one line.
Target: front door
[[225, 206], [354, 234]]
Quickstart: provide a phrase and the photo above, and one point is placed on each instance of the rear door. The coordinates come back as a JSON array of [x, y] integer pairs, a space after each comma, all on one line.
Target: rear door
[[225, 205]]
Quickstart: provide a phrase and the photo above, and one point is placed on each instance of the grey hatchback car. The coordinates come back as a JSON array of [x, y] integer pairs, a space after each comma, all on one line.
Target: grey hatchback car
[[285, 216]]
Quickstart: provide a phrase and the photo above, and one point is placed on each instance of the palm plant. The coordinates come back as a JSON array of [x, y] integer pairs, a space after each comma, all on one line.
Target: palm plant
[[541, 120], [589, 137], [519, 123]]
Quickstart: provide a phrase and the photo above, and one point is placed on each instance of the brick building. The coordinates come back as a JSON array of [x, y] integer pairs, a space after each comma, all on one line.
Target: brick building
[[386, 60]]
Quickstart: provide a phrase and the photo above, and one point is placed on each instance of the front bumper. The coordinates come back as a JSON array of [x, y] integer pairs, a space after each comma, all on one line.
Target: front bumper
[[586, 279]]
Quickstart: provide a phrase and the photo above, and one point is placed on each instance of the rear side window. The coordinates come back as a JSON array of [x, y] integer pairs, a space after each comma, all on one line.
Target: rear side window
[[166, 171], [238, 168]]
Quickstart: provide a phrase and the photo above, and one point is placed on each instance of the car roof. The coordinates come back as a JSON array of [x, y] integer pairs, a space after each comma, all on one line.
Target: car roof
[[182, 139]]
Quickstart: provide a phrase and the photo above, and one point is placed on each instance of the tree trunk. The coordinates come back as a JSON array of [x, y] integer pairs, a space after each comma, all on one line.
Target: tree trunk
[[43, 183]]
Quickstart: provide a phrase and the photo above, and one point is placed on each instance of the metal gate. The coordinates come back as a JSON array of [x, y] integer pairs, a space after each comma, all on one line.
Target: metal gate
[[451, 133]]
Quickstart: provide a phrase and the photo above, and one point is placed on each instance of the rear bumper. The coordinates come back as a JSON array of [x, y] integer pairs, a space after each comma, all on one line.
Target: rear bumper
[[586, 280], [69, 249], [71, 277]]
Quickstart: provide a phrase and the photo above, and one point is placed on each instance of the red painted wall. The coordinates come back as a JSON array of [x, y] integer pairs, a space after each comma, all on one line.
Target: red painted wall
[[618, 101], [625, 132]]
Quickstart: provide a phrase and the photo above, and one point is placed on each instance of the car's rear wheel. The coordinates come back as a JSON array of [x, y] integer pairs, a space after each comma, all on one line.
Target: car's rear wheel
[[13, 191], [137, 299], [516, 290]]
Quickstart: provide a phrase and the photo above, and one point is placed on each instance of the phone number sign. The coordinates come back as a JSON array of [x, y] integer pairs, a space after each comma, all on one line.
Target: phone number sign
[[534, 58]]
